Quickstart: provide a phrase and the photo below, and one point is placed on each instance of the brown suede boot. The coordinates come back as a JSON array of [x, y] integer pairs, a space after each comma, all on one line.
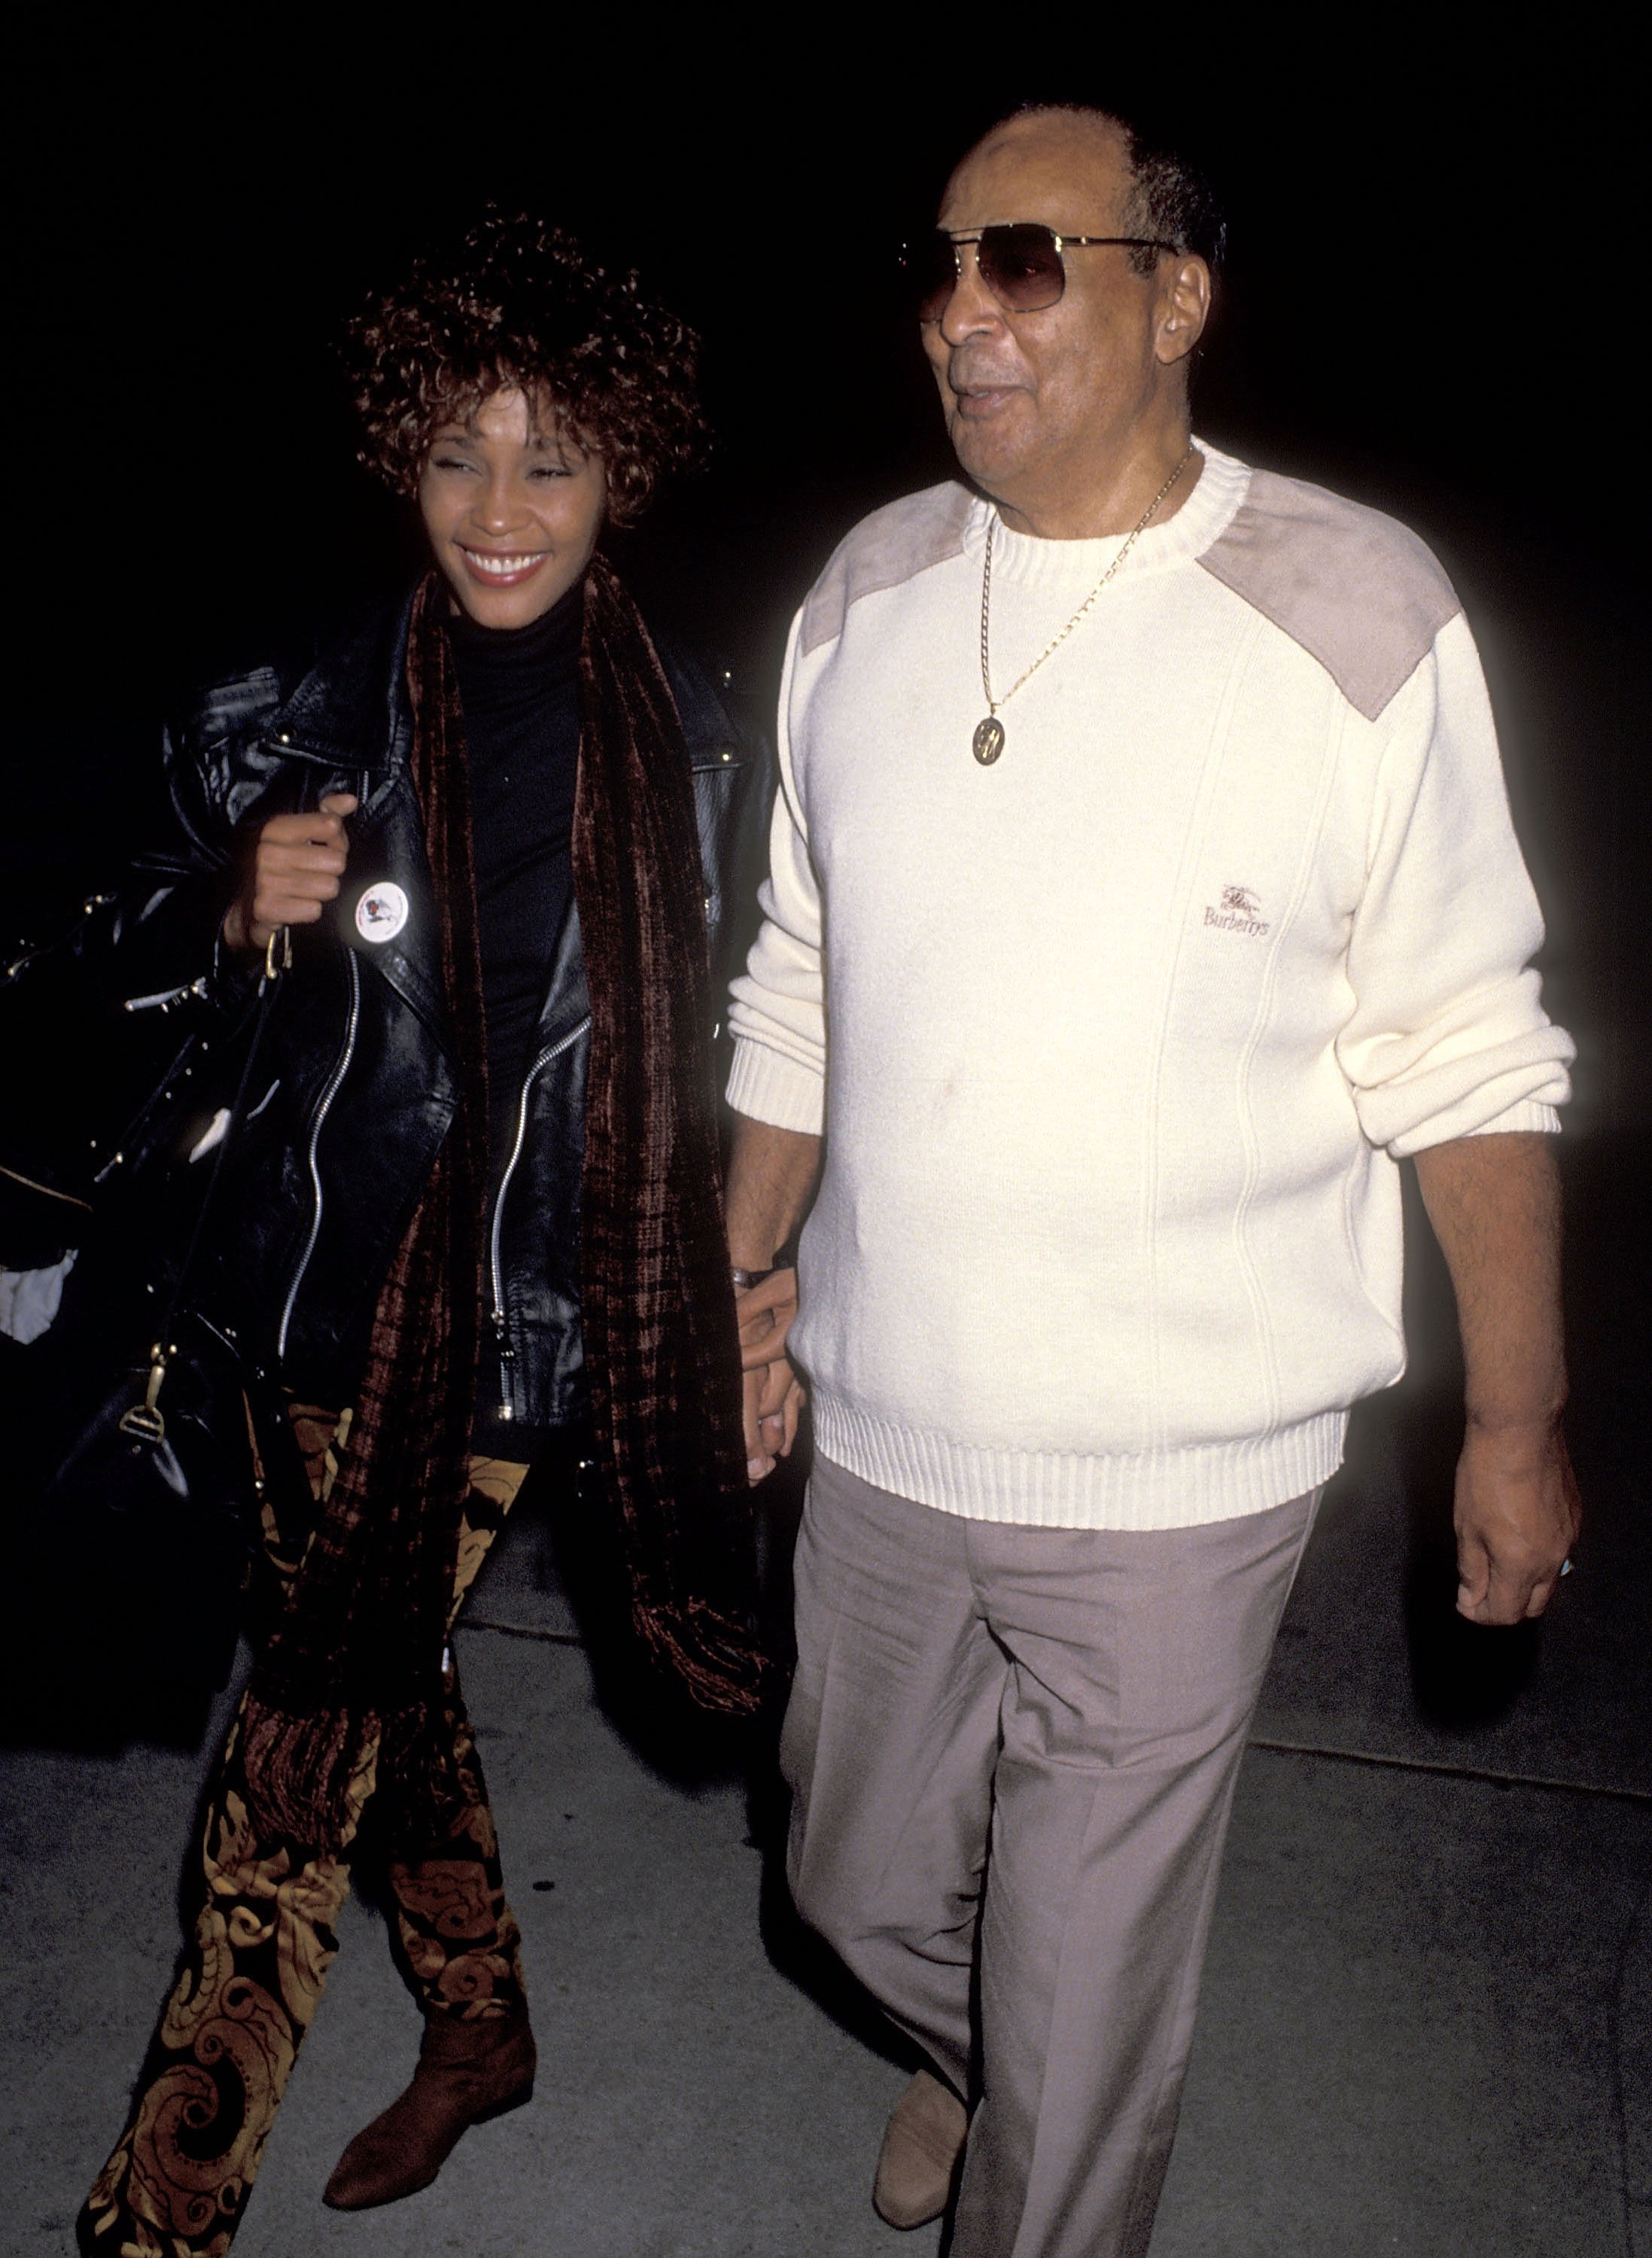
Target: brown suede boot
[[918, 2161], [468, 2071]]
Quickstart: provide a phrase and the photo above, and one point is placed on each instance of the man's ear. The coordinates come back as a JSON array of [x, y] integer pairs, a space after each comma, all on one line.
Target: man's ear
[[1184, 308]]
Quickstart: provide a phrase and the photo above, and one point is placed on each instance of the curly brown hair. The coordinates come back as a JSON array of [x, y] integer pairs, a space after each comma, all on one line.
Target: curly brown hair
[[520, 304]]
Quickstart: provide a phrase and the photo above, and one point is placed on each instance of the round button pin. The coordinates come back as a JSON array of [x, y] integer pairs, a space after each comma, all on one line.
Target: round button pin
[[381, 912]]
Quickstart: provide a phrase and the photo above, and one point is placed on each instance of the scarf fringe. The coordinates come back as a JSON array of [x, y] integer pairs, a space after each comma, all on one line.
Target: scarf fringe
[[299, 1771], [716, 1657], [308, 1778], [424, 1793]]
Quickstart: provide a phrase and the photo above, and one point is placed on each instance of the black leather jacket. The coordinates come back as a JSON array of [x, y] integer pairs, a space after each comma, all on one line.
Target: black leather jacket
[[355, 1085]]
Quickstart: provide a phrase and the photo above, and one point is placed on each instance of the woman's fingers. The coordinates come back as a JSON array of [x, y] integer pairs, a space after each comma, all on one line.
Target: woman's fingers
[[297, 867], [779, 1429], [299, 864]]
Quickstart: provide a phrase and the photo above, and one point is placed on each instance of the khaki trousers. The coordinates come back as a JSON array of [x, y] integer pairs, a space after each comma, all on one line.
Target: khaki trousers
[[1013, 1753]]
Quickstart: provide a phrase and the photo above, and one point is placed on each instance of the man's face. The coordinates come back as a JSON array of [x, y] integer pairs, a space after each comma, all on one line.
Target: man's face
[[1034, 402], [513, 510]]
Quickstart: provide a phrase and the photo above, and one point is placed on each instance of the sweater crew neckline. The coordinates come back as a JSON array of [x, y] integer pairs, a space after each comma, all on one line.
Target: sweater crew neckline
[[1029, 560]]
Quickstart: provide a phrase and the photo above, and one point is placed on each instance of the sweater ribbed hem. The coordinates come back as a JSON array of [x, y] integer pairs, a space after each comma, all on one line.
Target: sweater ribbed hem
[[1070, 1489]]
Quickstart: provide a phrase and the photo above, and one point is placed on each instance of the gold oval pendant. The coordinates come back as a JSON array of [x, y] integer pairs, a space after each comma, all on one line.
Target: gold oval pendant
[[988, 742]]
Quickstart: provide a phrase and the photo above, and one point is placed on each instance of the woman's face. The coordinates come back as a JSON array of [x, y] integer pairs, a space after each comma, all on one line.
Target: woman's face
[[513, 510]]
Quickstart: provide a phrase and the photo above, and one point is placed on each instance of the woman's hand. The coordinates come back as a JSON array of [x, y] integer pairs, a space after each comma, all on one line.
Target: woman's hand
[[774, 1396], [298, 865]]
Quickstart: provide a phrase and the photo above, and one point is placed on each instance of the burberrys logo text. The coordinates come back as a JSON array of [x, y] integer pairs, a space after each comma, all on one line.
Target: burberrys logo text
[[1238, 913]]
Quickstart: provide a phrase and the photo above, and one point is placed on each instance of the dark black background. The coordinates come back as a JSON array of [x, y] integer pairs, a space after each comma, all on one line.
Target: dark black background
[[1433, 269], [1430, 305]]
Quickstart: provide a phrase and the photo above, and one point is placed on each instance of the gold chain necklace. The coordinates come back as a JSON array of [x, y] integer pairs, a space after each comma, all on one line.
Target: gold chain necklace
[[988, 742]]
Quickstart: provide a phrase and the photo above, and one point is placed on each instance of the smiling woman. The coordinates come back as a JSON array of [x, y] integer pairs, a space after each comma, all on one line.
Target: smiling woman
[[476, 1226]]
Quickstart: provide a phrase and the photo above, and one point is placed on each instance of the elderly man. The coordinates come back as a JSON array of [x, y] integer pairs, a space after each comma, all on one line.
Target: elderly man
[[1143, 891]]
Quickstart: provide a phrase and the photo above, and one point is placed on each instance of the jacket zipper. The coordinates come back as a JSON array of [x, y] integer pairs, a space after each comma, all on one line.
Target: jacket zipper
[[502, 1320], [163, 998], [323, 1107]]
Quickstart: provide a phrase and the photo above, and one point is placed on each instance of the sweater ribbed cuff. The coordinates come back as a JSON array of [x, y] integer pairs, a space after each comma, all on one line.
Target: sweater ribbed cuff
[[767, 1086], [1530, 1114]]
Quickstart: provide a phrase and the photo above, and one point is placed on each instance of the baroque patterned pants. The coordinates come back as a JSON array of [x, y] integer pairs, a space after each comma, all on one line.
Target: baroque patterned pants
[[255, 1964]]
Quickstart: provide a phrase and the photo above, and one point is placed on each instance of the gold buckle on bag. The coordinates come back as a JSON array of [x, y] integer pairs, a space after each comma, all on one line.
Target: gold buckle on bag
[[146, 1418]]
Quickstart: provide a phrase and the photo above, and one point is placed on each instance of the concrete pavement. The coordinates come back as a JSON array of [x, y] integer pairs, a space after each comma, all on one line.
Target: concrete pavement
[[1426, 2026]]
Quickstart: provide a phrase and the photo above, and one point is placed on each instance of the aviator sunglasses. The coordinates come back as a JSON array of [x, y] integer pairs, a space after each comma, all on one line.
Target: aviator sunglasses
[[1021, 263]]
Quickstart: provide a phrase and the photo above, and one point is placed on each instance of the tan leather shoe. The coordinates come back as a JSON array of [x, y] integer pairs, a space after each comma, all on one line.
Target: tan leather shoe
[[918, 2161], [468, 2071]]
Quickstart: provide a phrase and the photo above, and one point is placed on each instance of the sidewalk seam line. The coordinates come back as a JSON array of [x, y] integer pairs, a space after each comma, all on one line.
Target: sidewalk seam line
[[520, 1630], [1450, 1770]]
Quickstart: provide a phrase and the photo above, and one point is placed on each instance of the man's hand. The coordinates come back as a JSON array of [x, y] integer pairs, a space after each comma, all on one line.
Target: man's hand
[[1518, 1515], [297, 867], [771, 1180], [774, 1395], [1495, 1203]]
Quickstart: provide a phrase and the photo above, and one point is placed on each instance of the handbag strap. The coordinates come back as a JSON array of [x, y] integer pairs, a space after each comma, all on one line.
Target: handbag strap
[[146, 1421]]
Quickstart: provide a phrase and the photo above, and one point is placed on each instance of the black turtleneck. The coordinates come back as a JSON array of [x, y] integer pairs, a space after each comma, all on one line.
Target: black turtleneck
[[520, 691]]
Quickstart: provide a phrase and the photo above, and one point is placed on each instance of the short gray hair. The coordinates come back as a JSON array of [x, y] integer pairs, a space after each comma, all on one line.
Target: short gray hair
[[1170, 198]]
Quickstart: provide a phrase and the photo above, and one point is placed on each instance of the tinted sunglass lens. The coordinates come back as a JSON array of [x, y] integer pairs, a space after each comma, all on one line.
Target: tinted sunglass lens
[[931, 266], [1021, 267]]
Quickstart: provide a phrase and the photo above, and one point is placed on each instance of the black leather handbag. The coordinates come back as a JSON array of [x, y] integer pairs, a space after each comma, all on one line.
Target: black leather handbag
[[157, 1500], [156, 1504]]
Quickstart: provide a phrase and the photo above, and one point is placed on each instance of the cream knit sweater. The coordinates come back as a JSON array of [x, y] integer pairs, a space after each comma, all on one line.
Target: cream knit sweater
[[1117, 1043]]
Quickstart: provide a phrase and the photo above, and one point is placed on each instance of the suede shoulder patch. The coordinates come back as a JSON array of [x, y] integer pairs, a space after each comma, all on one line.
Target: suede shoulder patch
[[895, 544], [1357, 591]]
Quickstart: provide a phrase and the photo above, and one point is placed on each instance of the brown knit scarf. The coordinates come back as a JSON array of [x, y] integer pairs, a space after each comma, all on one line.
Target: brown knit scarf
[[356, 1656], [657, 1303]]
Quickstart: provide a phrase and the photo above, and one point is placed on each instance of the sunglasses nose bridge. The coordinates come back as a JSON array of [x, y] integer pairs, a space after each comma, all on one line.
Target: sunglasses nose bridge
[[970, 284]]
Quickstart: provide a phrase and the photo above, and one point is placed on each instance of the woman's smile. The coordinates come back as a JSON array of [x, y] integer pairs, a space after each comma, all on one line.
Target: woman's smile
[[502, 570]]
